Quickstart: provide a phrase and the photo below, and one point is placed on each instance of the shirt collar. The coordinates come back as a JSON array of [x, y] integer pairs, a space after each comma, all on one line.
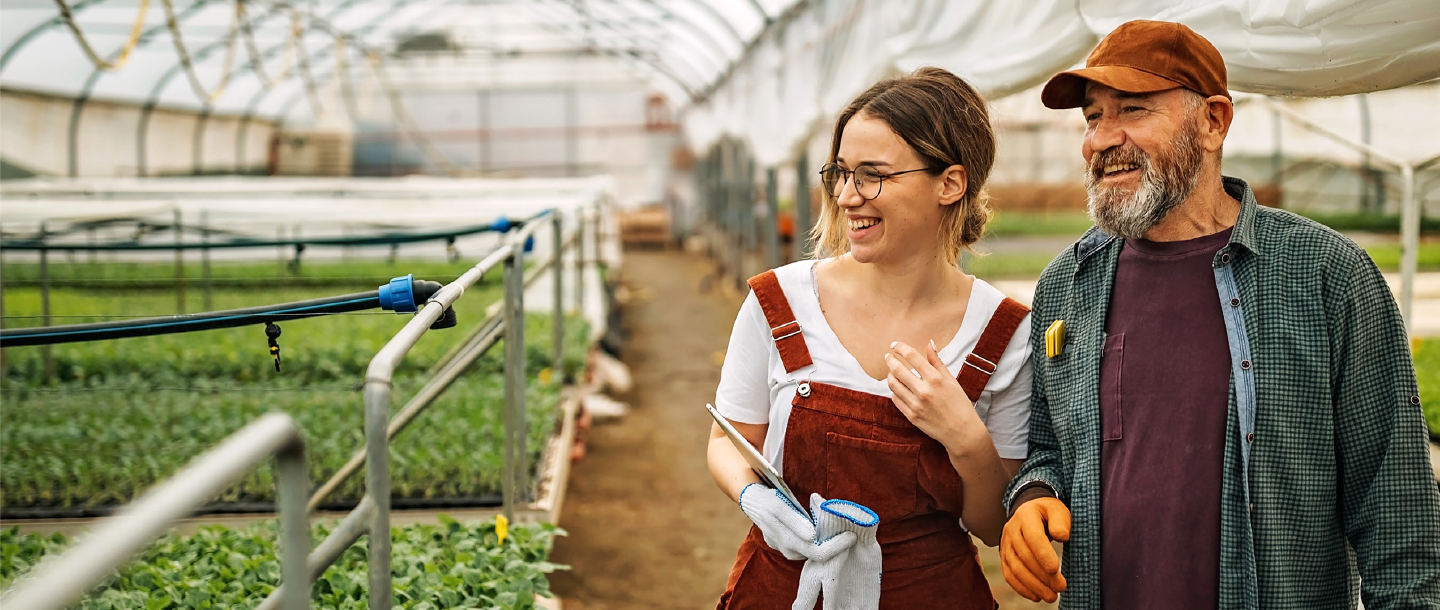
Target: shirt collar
[[1244, 233], [1095, 239]]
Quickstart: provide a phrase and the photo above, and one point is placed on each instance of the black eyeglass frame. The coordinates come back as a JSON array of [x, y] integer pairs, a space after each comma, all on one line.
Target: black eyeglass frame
[[847, 174]]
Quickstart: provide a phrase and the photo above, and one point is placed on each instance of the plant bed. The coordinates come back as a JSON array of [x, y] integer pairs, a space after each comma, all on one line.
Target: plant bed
[[121, 415], [1427, 374], [449, 565]]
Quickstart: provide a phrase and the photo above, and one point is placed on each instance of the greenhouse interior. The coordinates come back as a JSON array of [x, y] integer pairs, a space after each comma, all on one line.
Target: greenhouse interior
[[276, 276]]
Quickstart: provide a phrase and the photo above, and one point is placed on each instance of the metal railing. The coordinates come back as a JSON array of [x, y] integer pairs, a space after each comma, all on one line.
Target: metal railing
[[372, 514], [65, 578], [61, 580]]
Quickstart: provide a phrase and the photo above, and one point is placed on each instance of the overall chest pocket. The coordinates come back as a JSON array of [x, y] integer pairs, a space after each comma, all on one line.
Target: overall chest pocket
[[880, 475]]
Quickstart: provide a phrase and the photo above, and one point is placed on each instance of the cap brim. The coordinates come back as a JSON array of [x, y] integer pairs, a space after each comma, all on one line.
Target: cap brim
[[1067, 89]]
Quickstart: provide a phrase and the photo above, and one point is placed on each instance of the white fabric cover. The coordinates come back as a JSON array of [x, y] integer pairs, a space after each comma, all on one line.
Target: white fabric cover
[[836, 48]]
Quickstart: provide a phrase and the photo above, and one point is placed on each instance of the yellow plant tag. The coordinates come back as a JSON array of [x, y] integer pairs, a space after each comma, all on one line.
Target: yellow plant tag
[[1055, 339], [502, 527]]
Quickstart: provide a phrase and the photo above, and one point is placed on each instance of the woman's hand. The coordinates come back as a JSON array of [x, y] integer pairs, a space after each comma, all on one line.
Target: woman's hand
[[932, 399]]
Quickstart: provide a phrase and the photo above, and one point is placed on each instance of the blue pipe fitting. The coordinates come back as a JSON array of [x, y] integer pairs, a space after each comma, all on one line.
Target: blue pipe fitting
[[501, 225], [399, 295], [529, 244]]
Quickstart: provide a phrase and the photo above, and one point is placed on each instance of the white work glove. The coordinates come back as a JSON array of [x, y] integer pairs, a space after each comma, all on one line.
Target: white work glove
[[849, 575], [785, 527]]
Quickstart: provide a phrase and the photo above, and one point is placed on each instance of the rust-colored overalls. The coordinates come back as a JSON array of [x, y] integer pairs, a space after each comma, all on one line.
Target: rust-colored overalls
[[846, 444]]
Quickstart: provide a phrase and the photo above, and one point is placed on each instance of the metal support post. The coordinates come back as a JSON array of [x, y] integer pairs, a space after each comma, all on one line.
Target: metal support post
[[294, 526], [377, 486], [62, 579], [2, 315], [752, 238], [733, 203], [179, 266], [208, 303], [515, 452], [47, 353], [581, 223], [1410, 244], [772, 218], [802, 207], [557, 269]]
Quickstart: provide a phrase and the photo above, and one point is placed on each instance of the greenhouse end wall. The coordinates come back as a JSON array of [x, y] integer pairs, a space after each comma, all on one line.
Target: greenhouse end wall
[[35, 137]]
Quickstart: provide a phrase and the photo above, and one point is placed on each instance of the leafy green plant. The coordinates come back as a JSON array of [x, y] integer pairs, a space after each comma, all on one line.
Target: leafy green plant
[[434, 567], [118, 416], [1427, 374]]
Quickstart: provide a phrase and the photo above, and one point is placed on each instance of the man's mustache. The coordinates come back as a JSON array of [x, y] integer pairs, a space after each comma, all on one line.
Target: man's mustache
[[1117, 155]]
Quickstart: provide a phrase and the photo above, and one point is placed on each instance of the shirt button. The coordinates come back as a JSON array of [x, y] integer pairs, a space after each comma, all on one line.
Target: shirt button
[[1245, 365], [1225, 258], [1250, 438], [1414, 399], [1252, 507], [803, 390], [1234, 302]]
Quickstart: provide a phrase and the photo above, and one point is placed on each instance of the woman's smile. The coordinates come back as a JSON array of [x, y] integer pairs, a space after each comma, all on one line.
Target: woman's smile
[[862, 228]]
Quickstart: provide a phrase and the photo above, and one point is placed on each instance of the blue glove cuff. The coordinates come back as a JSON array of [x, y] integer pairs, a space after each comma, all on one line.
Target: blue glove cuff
[[852, 512]]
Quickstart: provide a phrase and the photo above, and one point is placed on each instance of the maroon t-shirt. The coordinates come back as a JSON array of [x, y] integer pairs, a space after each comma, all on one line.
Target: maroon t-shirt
[[1164, 392]]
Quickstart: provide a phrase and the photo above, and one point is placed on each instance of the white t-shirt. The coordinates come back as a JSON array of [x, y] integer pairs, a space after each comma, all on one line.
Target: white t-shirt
[[755, 389]]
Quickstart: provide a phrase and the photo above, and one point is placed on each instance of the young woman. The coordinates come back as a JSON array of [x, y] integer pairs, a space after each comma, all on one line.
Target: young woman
[[880, 373]]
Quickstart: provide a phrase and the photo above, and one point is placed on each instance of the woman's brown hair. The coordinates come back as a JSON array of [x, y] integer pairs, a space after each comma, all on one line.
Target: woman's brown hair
[[945, 121]]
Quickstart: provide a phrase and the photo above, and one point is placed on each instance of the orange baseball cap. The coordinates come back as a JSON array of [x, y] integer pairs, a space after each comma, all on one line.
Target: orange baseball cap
[[1141, 57]]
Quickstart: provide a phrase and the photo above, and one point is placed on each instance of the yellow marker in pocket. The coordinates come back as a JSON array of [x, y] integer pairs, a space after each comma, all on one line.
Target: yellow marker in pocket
[[1055, 339]]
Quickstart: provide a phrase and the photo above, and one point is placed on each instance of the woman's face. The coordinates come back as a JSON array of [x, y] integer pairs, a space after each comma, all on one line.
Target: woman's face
[[903, 221]]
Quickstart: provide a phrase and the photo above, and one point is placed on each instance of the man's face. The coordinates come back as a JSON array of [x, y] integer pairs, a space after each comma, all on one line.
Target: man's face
[[1143, 154]]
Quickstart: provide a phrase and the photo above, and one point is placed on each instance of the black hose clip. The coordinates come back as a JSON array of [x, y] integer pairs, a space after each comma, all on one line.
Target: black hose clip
[[272, 332]]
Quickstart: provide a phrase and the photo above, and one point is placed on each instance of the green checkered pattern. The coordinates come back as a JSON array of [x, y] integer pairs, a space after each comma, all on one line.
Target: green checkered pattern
[[1342, 503]]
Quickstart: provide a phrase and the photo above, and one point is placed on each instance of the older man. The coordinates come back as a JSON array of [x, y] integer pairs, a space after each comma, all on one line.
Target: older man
[[1224, 412]]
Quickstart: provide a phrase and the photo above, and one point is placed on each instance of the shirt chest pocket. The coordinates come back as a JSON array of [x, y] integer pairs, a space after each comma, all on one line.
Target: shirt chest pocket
[[880, 475]]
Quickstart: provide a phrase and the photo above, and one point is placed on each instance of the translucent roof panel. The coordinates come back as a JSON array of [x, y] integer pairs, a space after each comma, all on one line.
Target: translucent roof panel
[[259, 57]]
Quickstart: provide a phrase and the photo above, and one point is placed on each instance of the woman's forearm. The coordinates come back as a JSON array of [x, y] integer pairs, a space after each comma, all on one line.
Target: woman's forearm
[[984, 477], [727, 466]]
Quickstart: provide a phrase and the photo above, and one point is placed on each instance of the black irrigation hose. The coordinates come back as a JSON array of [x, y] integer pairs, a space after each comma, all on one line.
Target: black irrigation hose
[[164, 325], [241, 508], [501, 225]]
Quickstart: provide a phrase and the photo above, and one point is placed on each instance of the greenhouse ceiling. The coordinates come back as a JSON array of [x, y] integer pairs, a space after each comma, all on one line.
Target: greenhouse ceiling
[[767, 72], [251, 56]]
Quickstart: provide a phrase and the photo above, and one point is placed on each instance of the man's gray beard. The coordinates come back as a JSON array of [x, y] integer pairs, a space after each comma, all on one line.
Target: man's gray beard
[[1164, 184]]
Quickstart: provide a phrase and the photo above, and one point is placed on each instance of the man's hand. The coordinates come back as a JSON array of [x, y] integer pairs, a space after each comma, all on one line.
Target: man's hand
[[1029, 562]]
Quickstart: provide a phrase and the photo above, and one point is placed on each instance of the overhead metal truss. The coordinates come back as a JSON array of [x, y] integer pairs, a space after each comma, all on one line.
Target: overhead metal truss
[[688, 44]]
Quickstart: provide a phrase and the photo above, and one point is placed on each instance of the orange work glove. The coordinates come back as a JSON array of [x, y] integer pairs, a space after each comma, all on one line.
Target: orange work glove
[[1030, 564]]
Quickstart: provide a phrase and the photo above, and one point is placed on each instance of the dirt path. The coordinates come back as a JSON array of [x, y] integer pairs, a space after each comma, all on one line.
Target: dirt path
[[648, 529]]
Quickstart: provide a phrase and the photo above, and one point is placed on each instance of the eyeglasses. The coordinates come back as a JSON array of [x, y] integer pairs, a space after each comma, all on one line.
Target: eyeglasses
[[867, 179]]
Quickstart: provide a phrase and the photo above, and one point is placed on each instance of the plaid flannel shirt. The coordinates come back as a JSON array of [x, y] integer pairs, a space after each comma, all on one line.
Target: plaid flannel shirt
[[1327, 492]]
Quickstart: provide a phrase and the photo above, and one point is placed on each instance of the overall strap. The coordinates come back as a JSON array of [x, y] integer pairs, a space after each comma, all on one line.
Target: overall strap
[[982, 362], [784, 329]]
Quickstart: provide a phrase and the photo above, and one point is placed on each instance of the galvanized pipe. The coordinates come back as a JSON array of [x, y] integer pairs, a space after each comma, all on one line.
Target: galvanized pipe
[[61, 580], [514, 413], [47, 353], [556, 259], [802, 207], [472, 350], [1409, 245], [378, 378], [771, 229], [355, 525]]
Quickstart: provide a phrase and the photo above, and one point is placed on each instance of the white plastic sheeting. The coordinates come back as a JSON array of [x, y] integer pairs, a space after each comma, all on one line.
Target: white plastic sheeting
[[679, 46], [806, 69]]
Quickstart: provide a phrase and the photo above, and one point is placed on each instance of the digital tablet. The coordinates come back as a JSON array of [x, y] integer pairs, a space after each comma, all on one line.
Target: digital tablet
[[757, 462]]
